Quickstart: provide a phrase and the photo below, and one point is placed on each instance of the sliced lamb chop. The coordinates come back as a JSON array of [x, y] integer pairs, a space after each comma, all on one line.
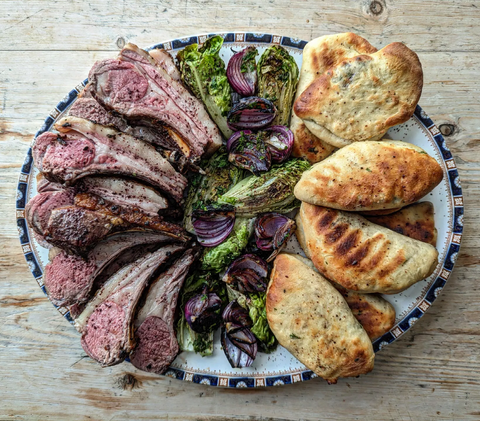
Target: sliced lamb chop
[[77, 221], [126, 193], [40, 207], [88, 108], [130, 213], [157, 344], [85, 148], [68, 278], [77, 229], [130, 195], [129, 256], [106, 321], [139, 89]]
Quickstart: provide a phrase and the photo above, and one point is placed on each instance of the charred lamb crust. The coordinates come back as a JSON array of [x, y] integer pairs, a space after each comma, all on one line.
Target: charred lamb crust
[[124, 193], [75, 229]]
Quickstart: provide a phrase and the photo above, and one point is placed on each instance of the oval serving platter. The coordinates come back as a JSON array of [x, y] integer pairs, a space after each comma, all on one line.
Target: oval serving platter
[[281, 367]]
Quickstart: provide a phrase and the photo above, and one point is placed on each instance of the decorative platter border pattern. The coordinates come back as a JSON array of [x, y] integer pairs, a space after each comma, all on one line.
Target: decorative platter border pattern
[[431, 291]]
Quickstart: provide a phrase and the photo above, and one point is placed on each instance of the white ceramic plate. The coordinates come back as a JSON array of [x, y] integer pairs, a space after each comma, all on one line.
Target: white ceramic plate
[[281, 367]]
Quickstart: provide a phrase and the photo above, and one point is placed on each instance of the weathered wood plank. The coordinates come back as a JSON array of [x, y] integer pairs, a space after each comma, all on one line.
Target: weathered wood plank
[[424, 26], [28, 94]]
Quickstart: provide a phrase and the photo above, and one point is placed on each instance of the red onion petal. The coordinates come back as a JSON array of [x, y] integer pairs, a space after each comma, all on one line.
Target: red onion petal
[[268, 224], [248, 273], [284, 135], [243, 83], [212, 227], [249, 349], [272, 230], [235, 314], [215, 241], [251, 113]]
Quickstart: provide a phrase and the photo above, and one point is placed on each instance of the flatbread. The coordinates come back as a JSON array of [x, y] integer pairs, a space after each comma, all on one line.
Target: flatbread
[[363, 96], [379, 212], [310, 318], [318, 56], [362, 256], [369, 176], [375, 314], [415, 221]]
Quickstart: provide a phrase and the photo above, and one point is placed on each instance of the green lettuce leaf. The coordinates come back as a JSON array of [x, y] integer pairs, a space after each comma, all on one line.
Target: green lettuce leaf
[[258, 313], [217, 258], [203, 71]]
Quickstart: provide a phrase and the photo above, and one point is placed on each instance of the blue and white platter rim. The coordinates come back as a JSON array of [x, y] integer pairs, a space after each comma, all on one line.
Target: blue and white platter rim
[[408, 318]]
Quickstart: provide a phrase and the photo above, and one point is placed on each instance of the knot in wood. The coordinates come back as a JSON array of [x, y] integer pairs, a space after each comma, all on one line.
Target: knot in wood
[[376, 8], [127, 382], [121, 42], [446, 129]]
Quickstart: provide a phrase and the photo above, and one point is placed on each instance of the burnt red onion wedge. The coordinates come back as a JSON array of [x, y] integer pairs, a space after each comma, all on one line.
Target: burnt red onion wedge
[[202, 312], [235, 356], [251, 113], [236, 317], [242, 71], [279, 142], [247, 274], [247, 150], [272, 231], [246, 342], [213, 225], [238, 341]]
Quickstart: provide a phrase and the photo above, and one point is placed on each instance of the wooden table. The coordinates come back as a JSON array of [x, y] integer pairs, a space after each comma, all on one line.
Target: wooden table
[[48, 47]]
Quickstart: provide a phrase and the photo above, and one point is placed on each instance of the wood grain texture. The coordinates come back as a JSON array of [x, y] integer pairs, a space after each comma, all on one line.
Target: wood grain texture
[[48, 47]]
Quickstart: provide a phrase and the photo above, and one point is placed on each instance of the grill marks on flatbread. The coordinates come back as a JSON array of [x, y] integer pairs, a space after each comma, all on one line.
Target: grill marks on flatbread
[[415, 221], [369, 176], [375, 314], [318, 56], [360, 255], [363, 96], [311, 319]]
